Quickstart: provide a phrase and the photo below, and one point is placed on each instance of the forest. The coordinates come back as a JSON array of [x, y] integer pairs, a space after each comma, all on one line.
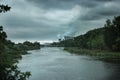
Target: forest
[[105, 38], [103, 43]]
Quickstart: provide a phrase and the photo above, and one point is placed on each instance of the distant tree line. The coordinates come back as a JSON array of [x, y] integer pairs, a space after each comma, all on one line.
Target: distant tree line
[[105, 38], [27, 45]]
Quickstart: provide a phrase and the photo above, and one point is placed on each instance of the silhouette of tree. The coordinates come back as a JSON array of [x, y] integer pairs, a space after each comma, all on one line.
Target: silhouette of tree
[[4, 8]]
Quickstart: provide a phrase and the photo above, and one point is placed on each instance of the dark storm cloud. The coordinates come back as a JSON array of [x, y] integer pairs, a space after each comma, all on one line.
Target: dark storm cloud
[[63, 4], [47, 19], [66, 4], [103, 11], [97, 9]]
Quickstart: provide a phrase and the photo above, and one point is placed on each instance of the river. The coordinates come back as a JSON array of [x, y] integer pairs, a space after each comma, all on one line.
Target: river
[[52, 63]]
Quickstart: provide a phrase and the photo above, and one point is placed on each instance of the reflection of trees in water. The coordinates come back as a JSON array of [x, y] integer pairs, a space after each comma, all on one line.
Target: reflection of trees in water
[[113, 71], [115, 75]]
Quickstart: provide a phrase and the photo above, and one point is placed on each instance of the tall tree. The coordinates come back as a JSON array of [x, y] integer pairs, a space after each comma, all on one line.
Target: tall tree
[[112, 34], [8, 71]]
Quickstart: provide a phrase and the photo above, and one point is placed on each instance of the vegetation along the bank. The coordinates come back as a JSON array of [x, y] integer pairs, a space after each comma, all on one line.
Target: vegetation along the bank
[[103, 42], [10, 53]]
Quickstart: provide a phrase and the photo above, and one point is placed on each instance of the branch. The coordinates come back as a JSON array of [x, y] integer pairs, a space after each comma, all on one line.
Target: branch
[[4, 8]]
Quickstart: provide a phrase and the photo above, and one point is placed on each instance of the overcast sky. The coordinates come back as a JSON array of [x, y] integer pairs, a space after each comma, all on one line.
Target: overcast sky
[[48, 20]]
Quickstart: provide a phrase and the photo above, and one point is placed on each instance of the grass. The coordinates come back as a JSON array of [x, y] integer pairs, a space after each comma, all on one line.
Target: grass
[[98, 54]]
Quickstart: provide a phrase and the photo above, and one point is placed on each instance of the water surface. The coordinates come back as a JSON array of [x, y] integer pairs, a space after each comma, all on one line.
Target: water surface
[[52, 63]]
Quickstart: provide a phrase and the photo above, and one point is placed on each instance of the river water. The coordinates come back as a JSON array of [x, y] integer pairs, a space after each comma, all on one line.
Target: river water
[[52, 63]]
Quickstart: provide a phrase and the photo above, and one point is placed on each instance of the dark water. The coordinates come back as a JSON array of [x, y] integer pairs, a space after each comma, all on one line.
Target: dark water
[[56, 64]]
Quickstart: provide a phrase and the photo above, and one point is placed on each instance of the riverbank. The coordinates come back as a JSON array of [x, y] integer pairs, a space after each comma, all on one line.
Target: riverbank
[[10, 54], [97, 54]]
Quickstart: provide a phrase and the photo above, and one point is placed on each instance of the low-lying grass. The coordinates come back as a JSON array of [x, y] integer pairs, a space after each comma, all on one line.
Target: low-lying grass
[[98, 54]]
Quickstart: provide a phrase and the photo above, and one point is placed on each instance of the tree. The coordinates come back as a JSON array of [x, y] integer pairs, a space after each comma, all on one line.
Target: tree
[[3, 34], [8, 71], [112, 34], [3, 37], [4, 8]]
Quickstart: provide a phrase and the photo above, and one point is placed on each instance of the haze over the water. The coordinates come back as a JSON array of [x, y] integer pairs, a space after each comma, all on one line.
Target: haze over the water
[[48, 20]]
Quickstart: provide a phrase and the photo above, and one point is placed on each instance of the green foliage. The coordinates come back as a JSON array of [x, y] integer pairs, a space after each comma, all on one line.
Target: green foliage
[[112, 34], [104, 38], [9, 55], [103, 55], [93, 39], [3, 37], [31, 46], [98, 42], [12, 73], [25, 46]]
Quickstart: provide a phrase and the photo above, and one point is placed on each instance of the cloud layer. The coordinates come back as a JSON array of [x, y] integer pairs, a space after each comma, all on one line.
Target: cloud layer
[[46, 20]]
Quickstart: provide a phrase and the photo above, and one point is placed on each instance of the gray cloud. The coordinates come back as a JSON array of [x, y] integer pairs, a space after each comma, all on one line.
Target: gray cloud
[[106, 10], [66, 4], [44, 20], [63, 4]]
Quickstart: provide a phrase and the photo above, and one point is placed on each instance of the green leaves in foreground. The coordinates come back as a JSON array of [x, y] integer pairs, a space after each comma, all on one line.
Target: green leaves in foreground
[[12, 73], [9, 55]]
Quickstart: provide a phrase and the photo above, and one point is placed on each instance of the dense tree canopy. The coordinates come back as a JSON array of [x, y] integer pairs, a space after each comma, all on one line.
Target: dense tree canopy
[[112, 34], [106, 38], [8, 56], [93, 39]]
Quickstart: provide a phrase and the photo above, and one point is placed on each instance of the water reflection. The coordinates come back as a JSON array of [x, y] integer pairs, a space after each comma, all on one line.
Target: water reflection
[[56, 64], [113, 70]]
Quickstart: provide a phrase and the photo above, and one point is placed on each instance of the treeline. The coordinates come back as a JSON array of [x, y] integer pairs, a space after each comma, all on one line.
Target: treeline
[[91, 40], [25, 46], [105, 38], [10, 53], [28, 45]]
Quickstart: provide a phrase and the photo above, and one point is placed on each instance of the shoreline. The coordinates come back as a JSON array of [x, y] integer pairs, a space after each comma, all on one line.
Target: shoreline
[[103, 55]]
